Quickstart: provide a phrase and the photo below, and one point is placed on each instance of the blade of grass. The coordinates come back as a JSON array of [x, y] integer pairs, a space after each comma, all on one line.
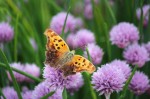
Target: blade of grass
[[1, 94], [16, 36], [107, 42], [48, 95], [11, 74], [64, 93], [110, 11], [62, 33], [141, 21], [127, 83], [23, 73], [87, 79]]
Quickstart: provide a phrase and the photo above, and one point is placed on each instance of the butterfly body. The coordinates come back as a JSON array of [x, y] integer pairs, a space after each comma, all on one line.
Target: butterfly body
[[59, 56], [67, 57]]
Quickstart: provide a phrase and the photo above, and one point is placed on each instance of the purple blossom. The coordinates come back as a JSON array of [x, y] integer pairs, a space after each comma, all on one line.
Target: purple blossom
[[136, 55], [88, 11], [19, 77], [139, 83], [80, 39], [147, 46], [55, 78], [28, 68], [58, 20], [6, 32], [124, 34], [33, 70], [95, 52], [108, 79], [9, 93], [27, 94], [42, 89], [79, 23], [126, 69], [145, 14]]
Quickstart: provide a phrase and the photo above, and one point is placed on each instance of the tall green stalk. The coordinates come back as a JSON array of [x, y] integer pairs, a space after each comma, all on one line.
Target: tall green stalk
[[2, 55]]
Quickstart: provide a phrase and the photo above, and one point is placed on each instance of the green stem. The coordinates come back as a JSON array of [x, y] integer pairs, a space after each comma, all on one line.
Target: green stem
[[107, 41], [16, 36], [64, 94], [1, 94], [48, 95], [11, 74], [23, 73], [110, 11], [141, 21], [62, 33], [128, 82], [87, 76], [88, 54]]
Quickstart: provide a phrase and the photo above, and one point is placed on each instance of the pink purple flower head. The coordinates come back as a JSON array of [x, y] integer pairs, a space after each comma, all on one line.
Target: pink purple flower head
[[139, 83], [88, 10], [55, 78], [6, 32], [124, 34], [147, 47], [19, 77], [27, 94], [136, 55], [58, 20], [43, 89], [108, 79], [32, 69], [9, 93], [96, 53], [80, 39], [28, 68], [126, 69], [145, 14]]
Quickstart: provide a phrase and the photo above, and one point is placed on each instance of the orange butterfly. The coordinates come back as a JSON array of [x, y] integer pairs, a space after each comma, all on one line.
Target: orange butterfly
[[58, 55]]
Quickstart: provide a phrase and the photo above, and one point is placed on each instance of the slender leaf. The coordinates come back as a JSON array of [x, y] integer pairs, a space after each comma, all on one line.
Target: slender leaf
[[64, 94], [48, 95], [11, 74], [23, 73]]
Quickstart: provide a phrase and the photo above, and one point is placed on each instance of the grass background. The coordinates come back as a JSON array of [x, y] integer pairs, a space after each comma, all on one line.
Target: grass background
[[30, 19]]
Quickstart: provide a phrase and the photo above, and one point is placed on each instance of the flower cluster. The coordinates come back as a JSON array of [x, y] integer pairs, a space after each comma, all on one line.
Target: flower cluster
[[56, 79], [145, 14], [108, 79], [6, 32], [147, 47], [96, 53], [43, 88], [88, 10], [72, 23], [136, 55], [139, 83], [124, 34], [81, 38], [126, 69], [28, 68]]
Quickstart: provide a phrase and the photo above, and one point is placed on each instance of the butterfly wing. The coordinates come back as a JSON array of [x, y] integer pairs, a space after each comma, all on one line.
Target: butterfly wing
[[56, 47], [78, 64]]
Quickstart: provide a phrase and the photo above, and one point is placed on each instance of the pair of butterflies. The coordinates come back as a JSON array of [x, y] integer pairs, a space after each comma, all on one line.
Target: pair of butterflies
[[59, 56]]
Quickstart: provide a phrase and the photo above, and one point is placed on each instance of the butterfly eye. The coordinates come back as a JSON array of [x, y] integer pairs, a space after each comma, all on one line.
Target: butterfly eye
[[56, 44], [76, 62]]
